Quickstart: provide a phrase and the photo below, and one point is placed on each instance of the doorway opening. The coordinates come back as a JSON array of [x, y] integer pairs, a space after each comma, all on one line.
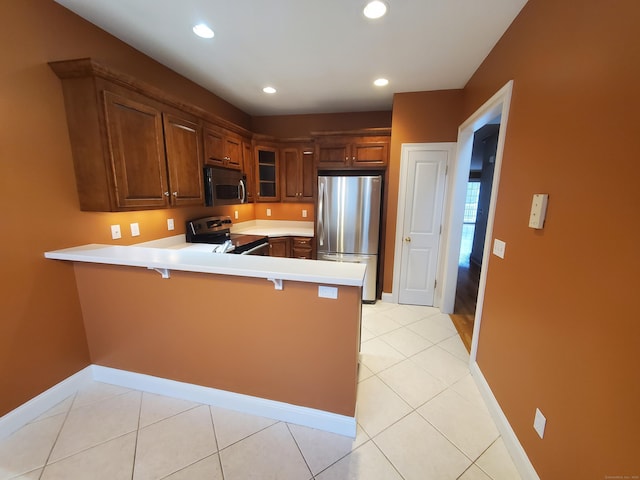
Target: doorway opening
[[494, 111], [474, 228]]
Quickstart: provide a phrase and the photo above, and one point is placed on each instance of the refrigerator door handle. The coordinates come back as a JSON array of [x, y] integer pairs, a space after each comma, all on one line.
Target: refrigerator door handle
[[321, 214]]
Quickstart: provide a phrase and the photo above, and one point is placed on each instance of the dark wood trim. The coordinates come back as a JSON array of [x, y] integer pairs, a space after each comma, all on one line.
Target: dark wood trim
[[88, 67]]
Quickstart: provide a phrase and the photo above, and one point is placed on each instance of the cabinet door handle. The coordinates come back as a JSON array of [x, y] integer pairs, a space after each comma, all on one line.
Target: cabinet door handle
[[175, 194], [166, 194]]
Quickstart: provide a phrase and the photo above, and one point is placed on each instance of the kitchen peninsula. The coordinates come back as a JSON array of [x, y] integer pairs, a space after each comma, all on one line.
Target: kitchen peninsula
[[269, 328]]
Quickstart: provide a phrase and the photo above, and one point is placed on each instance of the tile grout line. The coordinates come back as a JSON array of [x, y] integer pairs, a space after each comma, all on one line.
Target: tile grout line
[[135, 446], [53, 445], [215, 436], [299, 450]]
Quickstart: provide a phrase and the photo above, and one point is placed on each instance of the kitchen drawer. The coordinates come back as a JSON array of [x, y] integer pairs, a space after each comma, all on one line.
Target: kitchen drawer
[[304, 242], [302, 247]]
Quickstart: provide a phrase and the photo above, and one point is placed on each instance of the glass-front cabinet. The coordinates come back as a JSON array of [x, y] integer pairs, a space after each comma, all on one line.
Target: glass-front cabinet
[[267, 174]]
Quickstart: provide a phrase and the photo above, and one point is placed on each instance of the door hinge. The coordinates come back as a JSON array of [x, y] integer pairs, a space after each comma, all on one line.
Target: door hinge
[[435, 283], [440, 230], [446, 170]]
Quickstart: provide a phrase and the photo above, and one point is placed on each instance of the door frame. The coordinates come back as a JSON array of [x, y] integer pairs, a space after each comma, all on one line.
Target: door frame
[[402, 194], [497, 105]]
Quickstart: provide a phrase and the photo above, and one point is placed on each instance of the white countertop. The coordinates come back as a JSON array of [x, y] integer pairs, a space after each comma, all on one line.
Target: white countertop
[[274, 228], [173, 253]]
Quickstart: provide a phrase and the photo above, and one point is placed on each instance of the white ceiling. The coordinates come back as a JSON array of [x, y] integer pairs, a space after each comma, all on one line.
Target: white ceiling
[[321, 55]]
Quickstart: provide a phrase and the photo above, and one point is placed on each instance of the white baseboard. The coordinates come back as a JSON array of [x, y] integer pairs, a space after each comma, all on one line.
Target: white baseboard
[[308, 417], [29, 411], [388, 298], [511, 442]]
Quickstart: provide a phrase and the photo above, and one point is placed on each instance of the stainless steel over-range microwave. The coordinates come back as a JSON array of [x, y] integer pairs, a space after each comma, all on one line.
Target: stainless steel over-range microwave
[[224, 186]]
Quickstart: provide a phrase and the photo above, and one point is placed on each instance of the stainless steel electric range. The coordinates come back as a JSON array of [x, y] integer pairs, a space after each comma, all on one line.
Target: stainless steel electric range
[[217, 231]]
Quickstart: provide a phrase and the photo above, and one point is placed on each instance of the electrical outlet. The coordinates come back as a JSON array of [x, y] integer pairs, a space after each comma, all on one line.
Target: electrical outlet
[[115, 232], [268, 212], [539, 423], [499, 247], [304, 214], [170, 224], [135, 229], [327, 292], [235, 214]]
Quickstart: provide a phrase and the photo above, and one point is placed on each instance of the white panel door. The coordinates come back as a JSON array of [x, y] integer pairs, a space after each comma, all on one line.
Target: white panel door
[[425, 184]]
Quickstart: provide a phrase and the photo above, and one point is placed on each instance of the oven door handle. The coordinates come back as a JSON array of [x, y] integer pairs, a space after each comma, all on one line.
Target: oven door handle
[[251, 250]]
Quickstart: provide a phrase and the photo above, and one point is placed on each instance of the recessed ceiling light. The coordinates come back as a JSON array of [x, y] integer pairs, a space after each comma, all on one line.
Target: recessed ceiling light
[[375, 9], [381, 82], [203, 31], [269, 90]]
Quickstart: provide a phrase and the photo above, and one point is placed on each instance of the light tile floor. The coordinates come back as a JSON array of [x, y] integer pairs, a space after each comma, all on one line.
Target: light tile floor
[[419, 416]]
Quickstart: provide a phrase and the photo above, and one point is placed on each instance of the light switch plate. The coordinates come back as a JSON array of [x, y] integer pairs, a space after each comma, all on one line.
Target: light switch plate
[[135, 229], [499, 247], [268, 212], [304, 214], [235, 214], [170, 224], [538, 210]]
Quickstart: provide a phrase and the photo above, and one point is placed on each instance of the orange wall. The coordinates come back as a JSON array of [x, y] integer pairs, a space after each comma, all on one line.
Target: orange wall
[[270, 347], [560, 329], [284, 211], [284, 126], [42, 338], [419, 117]]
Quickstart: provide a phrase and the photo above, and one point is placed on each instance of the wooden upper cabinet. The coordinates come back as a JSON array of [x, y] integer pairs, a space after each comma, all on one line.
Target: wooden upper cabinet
[[297, 173], [156, 156], [184, 159], [266, 174], [352, 151], [370, 152], [131, 151], [248, 169], [137, 157], [333, 153], [222, 148]]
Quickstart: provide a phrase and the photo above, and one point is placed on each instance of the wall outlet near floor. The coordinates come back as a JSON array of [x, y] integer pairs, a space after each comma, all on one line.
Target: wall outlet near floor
[[170, 224], [499, 247], [539, 422], [115, 232], [135, 229], [304, 214], [268, 212]]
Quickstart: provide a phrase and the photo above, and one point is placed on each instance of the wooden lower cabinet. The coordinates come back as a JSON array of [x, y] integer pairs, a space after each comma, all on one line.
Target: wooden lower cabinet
[[292, 247], [302, 247], [280, 247]]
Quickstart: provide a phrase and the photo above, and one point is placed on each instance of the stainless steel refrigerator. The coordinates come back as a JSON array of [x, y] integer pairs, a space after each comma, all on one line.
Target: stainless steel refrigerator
[[348, 223]]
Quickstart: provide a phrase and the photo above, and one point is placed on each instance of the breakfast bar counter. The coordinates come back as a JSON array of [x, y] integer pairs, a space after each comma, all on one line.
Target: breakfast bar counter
[[175, 254], [277, 337]]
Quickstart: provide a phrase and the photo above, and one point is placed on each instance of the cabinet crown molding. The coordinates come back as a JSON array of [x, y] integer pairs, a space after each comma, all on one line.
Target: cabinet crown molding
[[364, 132], [89, 67]]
